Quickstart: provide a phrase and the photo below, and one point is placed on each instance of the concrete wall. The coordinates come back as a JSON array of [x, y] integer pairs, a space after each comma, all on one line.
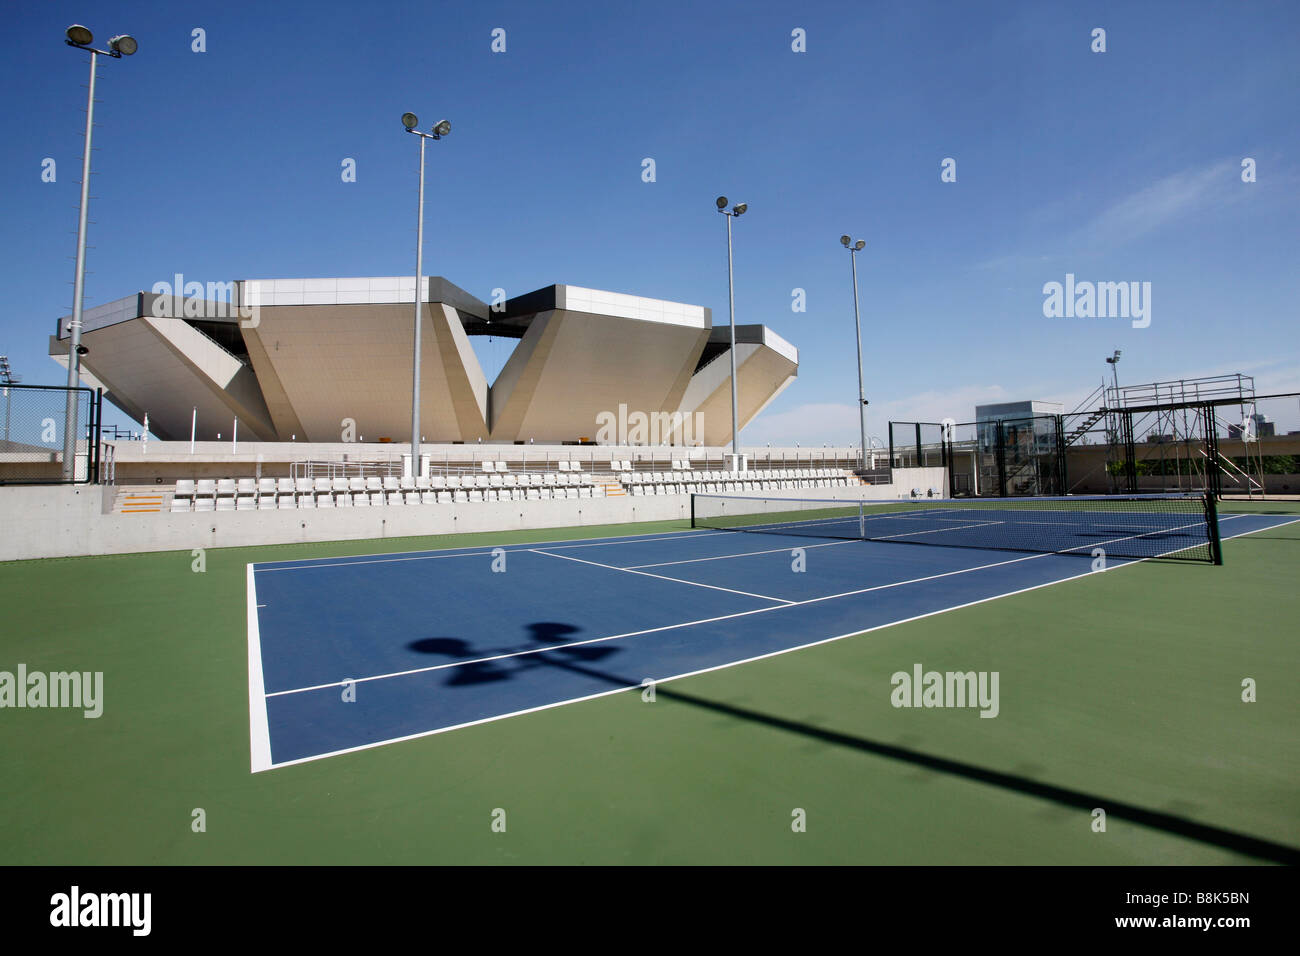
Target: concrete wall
[[61, 521]]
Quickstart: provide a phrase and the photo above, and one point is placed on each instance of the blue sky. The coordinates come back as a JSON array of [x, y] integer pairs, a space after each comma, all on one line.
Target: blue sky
[[1115, 166]]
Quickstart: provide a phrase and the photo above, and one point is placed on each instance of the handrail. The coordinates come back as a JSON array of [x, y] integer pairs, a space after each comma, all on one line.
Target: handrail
[[1226, 463], [1085, 405]]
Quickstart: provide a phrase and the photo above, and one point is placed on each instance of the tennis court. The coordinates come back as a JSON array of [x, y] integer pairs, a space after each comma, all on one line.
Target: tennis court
[[355, 652]]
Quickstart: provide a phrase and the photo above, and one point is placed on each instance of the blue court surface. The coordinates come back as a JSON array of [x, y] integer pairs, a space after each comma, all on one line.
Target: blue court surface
[[355, 652]]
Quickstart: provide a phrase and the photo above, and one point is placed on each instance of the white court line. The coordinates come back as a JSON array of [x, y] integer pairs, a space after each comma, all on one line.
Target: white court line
[[654, 630], [707, 620], [661, 577], [740, 554], [259, 733], [515, 549], [717, 667], [694, 673], [914, 534]]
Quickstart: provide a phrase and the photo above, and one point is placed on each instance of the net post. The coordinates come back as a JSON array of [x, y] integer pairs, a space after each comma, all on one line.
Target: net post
[[692, 510], [1212, 525]]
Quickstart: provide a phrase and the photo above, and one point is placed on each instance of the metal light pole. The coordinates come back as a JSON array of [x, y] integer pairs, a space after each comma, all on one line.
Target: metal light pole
[[737, 210], [854, 248], [119, 46], [410, 121], [1115, 416], [7, 378]]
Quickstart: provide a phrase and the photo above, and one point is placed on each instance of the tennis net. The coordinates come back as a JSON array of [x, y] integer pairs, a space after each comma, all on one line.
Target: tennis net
[[1134, 526]]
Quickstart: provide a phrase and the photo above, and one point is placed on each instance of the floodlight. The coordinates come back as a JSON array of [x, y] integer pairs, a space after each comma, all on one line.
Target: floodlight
[[844, 241], [410, 120], [123, 45], [738, 210], [443, 128], [721, 202], [859, 245], [80, 35]]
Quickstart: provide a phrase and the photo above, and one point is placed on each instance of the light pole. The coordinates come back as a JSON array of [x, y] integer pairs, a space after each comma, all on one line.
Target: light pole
[[411, 121], [1113, 362], [7, 378], [119, 46], [737, 210], [854, 248]]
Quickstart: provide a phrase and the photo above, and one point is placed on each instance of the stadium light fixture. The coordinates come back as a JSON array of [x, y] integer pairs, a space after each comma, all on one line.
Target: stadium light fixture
[[7, 378], [411, 121], [80, 38], [854, 248], [737, 210]]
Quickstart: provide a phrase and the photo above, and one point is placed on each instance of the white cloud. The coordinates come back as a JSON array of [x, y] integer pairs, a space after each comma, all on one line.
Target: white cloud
[[1162, 202], [837, 423], [1130, 217]]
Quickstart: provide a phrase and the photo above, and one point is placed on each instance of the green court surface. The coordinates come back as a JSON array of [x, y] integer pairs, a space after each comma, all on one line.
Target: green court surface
[[1119, 690]]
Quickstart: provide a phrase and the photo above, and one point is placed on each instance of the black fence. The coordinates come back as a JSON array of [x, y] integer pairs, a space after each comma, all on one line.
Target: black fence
[[33, 438], [1220, 446]]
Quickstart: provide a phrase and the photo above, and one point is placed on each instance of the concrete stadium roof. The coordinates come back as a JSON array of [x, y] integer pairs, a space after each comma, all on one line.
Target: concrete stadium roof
[[300, 357]]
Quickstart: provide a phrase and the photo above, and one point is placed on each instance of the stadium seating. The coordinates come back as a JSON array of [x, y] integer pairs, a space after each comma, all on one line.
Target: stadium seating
[[495, 481]]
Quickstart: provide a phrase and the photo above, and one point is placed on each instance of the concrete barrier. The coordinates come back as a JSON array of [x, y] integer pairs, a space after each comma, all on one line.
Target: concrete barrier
[[67, 521]]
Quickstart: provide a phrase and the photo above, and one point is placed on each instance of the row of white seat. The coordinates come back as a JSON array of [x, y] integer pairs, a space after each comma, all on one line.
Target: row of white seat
[[377, 499], [733, 487], [500, 466], [235, 487], [776, 474]]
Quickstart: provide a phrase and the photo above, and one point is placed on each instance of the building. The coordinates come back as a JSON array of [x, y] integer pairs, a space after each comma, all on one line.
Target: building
[[328, 360], [1263, 428], [1024, 423]]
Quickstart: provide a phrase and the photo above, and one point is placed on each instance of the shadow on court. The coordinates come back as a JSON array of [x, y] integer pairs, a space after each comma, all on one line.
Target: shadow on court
[[578, 660]]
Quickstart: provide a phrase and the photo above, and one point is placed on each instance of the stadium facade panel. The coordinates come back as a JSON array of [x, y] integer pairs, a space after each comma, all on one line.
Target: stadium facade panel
[[321, 359]]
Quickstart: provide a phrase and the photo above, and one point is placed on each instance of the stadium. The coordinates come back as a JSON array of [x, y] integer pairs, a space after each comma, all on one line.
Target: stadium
[[309, 359], [725, 562]]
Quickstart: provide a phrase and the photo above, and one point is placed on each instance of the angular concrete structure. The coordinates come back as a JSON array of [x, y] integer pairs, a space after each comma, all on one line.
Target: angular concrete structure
[[320, 360]]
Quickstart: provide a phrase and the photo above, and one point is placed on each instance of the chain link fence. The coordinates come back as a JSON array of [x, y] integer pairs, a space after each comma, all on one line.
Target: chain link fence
[[32, 435]]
